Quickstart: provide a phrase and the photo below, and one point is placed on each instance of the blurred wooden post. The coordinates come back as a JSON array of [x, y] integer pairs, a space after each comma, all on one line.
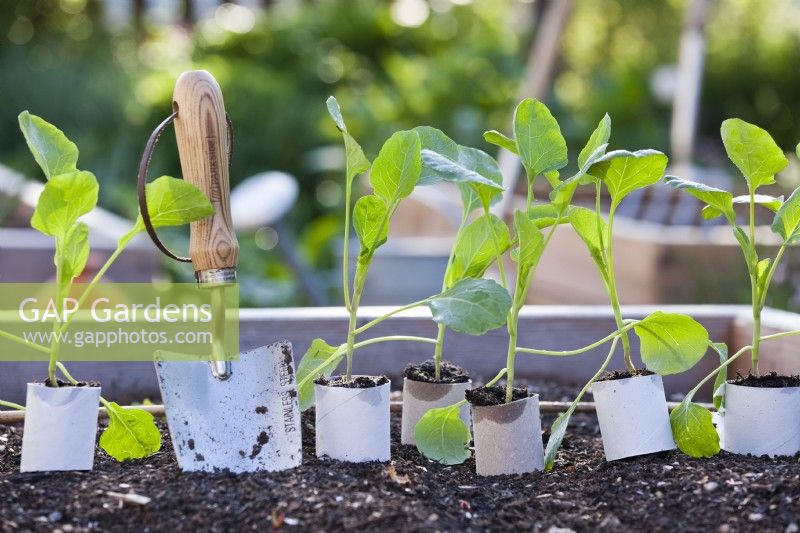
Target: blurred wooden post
[[688, 83], [188, 14], [537, 80], [137, 16]]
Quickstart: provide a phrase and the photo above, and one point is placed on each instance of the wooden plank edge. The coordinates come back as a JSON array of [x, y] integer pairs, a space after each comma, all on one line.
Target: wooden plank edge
[[18, 417]]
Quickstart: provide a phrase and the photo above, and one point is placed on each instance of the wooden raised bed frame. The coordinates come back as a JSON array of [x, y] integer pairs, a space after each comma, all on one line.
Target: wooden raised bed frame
[[548, 327]]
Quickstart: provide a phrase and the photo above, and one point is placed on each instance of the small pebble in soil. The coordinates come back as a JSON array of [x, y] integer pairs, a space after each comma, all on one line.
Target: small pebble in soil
[[710, 486], [755, 517]]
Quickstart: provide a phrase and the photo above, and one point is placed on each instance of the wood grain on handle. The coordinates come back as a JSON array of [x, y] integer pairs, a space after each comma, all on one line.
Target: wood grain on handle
[[201, 131]]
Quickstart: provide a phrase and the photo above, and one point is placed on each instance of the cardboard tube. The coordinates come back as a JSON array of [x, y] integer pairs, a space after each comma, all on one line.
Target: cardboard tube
[[761, 421], [633, 416], [353, 424], [508, 438], [419, 397], [60, 428]]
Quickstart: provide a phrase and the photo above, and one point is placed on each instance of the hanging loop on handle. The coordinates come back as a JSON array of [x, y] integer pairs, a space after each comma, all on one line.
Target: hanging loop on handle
[[144, 164]]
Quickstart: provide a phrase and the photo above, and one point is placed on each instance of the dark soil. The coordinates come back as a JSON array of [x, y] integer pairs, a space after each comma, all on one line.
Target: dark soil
[[62, 383], [768, 381], [358, 382], [624, 374], [488, 396], [662, 492], [426, 372]]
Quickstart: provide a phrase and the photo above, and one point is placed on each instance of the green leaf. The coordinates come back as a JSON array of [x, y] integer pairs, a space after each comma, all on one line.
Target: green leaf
[[65, 198], [546, 215], [131, 433], [541, 146], [787, 220], [72, 252], [472, 306], [562, 193], [174, 202], [371, 222], [693, 430], [671, 343], [557, 432], [722, 375], [475, 248], [770, 202], [475, 194], [318, 353], [436, 141], [449, 170], [397, 168], [598, 138], [336, 113], [531, 246], [623, 172], [356, 161], [773, 203], [750, 256], [753, 151], [593, 231], [762, 271], [552, 177], [50, 147], [442, 436], [498, 139], [718, 202]]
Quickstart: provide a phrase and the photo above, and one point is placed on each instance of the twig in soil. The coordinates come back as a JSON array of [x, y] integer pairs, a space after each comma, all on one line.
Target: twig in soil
[[130, 497]]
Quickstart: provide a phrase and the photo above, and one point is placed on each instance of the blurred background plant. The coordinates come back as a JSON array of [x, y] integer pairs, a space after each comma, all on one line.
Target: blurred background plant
[[104, 72]]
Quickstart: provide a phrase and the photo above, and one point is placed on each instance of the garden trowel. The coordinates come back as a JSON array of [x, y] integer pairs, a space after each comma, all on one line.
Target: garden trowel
[[236, 413]]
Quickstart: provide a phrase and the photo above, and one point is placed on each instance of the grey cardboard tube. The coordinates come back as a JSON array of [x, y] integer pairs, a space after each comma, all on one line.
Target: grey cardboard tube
[[419, 397], [508, 437]]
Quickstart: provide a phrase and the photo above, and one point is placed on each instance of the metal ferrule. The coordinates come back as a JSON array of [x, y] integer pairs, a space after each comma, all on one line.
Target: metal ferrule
[[215, 277]]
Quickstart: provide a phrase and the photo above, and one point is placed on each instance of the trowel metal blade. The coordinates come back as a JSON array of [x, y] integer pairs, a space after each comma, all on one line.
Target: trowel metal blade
[[246, 423]]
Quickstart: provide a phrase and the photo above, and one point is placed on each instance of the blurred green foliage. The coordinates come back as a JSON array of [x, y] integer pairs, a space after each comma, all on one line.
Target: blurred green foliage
[[457, 67]]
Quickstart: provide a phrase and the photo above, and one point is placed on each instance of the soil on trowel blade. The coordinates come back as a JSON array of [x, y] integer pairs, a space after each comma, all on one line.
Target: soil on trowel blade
[[667, 492], [495, 395], [426, 372], [624, 374], [357, 382], [773, 380]]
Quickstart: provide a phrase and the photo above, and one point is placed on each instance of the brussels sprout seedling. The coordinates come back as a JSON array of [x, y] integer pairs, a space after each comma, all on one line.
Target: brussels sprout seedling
[[669, 343], [468, 305], [753, 151], [69, 194]]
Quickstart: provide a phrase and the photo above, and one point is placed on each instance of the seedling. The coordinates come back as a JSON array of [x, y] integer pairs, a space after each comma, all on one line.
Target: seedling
[[669, 343], [440, 434], [69, 194], [479, 242], [758, 158], [468, 305]]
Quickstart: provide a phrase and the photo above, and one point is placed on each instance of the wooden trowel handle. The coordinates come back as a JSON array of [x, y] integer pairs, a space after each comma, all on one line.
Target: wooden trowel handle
[[201, 131]]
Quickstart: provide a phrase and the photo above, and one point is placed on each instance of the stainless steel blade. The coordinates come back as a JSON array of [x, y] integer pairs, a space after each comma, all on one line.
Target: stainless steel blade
[[246, 423]]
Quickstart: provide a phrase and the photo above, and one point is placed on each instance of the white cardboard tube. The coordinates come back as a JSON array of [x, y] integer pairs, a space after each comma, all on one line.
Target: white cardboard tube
[[761, 421], [508, 437], [633, 416], [419, 397], [353, 424], [60, 428]]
